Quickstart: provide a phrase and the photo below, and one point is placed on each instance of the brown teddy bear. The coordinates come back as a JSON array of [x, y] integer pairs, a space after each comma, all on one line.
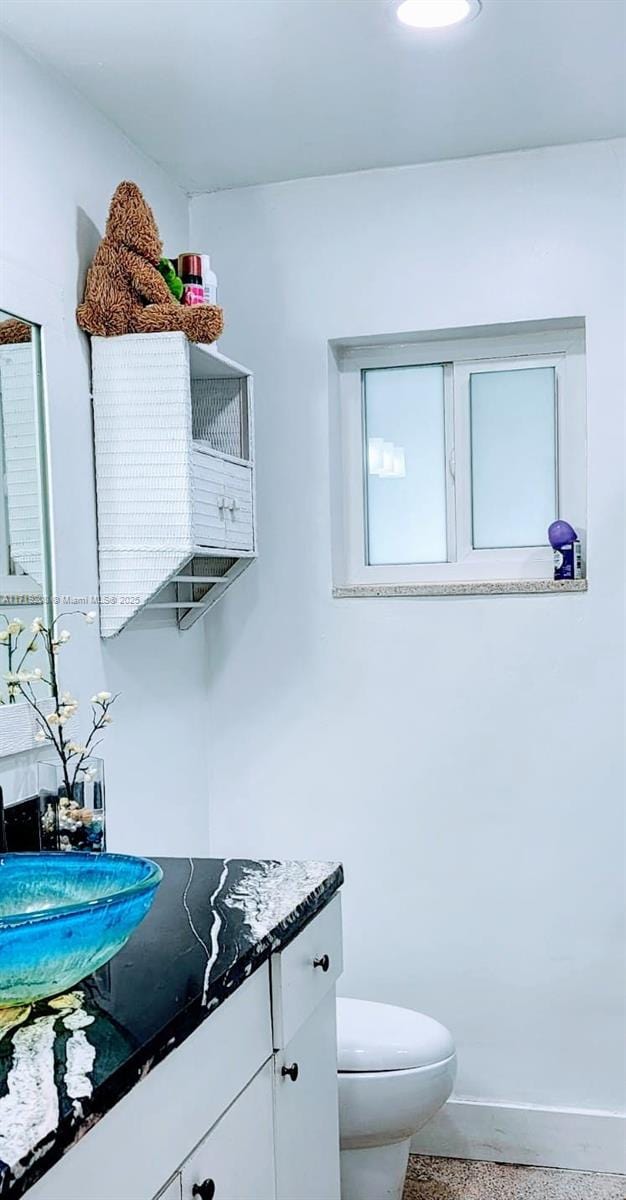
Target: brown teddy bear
[[14, 330], [124, 292]]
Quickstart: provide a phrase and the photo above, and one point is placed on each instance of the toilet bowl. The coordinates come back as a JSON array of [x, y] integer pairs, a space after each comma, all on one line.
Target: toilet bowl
[[396, 1070]]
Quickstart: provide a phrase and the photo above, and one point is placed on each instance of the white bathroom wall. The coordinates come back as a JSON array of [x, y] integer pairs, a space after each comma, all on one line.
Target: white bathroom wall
[[60, 163], [462, 756]]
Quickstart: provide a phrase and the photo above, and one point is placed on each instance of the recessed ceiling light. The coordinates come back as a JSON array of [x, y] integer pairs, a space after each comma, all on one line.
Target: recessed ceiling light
[[436, 14]]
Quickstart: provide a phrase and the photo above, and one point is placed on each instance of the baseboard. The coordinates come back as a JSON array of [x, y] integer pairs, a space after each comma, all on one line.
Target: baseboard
[[577, 1139]]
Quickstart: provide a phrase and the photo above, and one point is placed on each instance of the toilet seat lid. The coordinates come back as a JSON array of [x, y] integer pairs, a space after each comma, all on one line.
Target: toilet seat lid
[[381, 1037]]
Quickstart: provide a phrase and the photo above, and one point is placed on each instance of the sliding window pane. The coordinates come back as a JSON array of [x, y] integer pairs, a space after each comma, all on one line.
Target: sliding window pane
[[513, 435], [405, 465]]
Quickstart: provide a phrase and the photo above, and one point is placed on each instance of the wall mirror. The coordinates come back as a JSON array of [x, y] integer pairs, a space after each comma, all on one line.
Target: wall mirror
[[24, 541]]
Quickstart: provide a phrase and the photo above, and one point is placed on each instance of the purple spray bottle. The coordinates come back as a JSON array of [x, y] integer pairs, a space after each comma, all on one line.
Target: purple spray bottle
[[566, 545]]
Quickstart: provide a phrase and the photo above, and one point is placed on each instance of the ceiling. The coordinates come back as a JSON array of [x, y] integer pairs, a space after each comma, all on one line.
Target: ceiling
[[226, 93]]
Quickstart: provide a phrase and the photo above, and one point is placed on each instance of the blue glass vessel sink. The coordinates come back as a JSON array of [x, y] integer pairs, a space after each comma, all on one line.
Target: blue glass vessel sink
[[63, 915]]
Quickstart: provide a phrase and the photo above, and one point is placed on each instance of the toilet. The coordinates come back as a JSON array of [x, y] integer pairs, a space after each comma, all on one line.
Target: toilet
[[396, 1070]]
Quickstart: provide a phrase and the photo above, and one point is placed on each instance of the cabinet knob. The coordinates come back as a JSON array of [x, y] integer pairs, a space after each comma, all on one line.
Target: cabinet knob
[[205, 1190], [323, 962], [293, 1071]]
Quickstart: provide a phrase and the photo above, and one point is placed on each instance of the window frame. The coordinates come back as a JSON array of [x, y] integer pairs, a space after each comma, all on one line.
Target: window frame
[[563, 349]]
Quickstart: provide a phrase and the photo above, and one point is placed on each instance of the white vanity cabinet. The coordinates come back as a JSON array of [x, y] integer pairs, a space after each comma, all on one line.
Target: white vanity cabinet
[[244, 1109]]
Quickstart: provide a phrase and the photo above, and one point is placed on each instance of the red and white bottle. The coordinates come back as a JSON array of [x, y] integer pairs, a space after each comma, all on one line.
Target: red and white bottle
[[190, 271]]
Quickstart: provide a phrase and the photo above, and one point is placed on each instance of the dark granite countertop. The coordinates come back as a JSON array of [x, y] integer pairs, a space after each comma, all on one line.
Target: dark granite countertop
[[65, 1062]]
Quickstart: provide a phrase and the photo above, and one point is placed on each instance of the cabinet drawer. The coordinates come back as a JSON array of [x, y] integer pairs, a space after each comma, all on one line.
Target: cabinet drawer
[[237, 1156], [238, 507], [298, 984]]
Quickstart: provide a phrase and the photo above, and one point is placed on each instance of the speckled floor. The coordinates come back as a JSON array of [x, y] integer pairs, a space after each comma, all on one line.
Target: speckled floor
[[460, 1179]]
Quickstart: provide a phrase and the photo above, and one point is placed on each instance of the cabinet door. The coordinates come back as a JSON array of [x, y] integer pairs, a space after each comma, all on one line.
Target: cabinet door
[[236, 1159], [305, 1110], [207, 484], [173, 1189], [238, 507]]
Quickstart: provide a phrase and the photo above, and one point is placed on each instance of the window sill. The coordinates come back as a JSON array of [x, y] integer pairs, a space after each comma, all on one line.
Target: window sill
[[477, 587]]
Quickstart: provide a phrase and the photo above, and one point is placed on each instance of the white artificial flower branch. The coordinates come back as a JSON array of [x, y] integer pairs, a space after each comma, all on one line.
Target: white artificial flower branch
[[20, 681]]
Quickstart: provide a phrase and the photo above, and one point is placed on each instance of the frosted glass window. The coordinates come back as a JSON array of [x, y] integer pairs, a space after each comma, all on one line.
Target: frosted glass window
[[405, 465], [513, 445]]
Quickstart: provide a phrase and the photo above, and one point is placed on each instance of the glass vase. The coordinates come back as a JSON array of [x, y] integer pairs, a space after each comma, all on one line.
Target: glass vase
[[72, 818]]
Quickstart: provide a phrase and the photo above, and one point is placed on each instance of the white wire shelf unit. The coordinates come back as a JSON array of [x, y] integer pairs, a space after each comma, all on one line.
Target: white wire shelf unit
[[174, 449]]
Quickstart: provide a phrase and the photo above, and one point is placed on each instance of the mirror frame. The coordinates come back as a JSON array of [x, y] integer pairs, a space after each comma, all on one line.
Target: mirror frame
[[33, 300]]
